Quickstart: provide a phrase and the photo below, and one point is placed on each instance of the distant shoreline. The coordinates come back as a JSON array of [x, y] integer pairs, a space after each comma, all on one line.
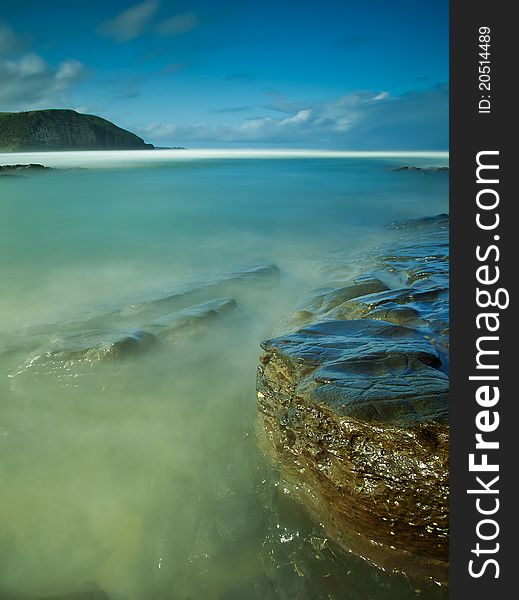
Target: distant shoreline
[[426, 162], [249, 152]]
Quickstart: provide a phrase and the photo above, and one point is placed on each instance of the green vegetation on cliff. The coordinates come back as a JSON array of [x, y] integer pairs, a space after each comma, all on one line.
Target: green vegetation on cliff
[[58, 129]]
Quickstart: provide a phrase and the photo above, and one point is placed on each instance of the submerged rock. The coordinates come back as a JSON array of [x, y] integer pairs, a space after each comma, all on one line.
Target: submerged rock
[[85, 351], [146, 310], [192, 318], [440, 221], [82, 349], [353, 405], [134, 327]]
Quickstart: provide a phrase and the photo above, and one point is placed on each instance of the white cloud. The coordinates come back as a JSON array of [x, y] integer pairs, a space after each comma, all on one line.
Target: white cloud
[[29, 83], [28, 65], [130, 23], [302, 116], [360, 121], [27, 80], [70, 69]]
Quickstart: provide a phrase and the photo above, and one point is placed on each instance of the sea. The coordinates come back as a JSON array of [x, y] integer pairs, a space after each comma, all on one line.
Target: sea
[[129, 463]]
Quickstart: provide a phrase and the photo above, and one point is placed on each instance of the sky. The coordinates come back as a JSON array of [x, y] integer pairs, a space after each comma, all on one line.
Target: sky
[[327, 74]]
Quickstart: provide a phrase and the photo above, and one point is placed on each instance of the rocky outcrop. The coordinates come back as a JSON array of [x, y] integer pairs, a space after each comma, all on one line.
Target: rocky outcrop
[[422, 169], [15, 169], [353, 403], [63, 130]]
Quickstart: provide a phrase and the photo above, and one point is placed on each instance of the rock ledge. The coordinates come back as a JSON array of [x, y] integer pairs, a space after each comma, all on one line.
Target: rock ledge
[[353, 404]]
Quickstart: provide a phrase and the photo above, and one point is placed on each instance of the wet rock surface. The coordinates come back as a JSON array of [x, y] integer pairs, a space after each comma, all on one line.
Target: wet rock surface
[[353, 402]]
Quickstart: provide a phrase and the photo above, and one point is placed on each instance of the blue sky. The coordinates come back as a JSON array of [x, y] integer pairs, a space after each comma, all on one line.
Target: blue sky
[[363, 75]]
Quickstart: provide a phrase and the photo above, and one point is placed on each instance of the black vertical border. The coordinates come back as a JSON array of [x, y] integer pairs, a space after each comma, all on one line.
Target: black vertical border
[[471, 133]]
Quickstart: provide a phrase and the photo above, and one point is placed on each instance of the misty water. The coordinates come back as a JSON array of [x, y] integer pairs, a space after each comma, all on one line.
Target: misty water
[[131, 468]]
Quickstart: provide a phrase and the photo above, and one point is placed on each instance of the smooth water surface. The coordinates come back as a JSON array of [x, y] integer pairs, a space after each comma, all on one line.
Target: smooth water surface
[[128, 464]]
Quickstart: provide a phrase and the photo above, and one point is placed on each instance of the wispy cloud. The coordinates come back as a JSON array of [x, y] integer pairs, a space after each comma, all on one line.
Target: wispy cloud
[[28, 81], [144, 18], [359, 121], [177, 25], [130, 23], [174, 67], [10, 41], [232, 109]]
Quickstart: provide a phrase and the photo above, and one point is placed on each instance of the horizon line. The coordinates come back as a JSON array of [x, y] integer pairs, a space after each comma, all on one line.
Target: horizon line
[[235, 152]]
